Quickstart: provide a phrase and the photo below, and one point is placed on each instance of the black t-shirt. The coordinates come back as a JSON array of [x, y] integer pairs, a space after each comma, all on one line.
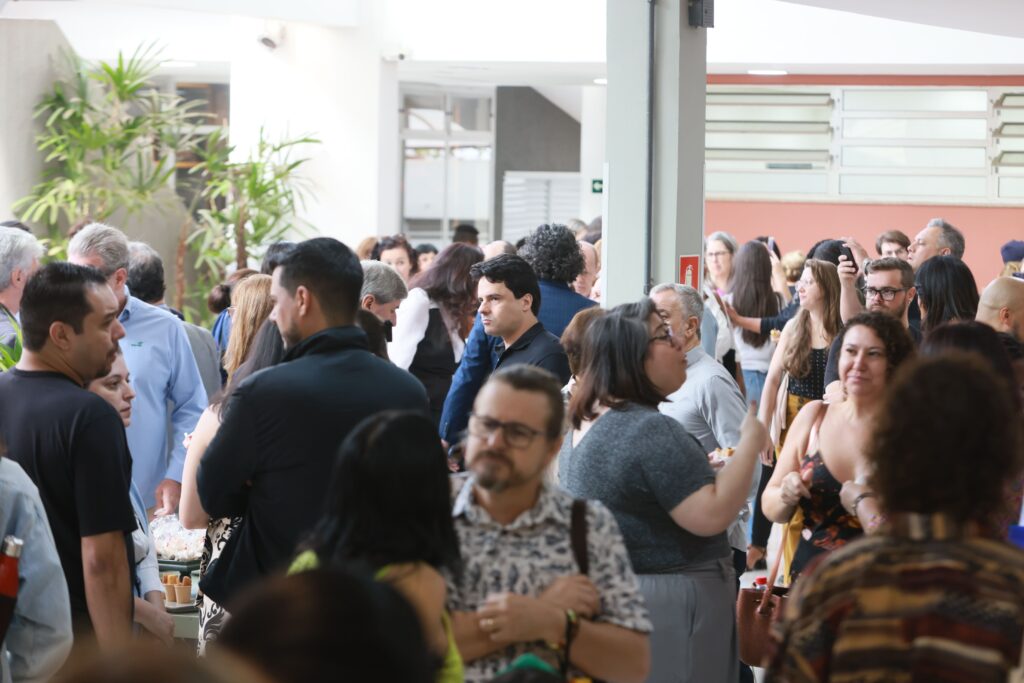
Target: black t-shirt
[[536, 347], [71, 443]]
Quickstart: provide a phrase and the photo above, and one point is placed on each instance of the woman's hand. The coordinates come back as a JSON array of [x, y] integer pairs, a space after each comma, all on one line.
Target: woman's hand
[[794, 487]]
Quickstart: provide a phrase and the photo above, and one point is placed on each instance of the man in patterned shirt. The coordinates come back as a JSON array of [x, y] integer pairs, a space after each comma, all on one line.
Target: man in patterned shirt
[[521, 590]]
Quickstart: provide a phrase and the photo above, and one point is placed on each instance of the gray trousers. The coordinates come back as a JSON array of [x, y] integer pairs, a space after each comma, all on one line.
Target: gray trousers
[[694, 618]]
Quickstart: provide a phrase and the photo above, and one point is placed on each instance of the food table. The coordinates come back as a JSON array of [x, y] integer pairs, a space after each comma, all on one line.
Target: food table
[[178, 553]]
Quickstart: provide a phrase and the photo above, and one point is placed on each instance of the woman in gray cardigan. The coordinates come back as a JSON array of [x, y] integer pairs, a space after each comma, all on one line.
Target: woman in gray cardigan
[[655, 478]]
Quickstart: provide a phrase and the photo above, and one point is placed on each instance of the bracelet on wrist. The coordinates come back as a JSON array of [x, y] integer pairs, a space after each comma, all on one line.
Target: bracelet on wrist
[[858, 499]]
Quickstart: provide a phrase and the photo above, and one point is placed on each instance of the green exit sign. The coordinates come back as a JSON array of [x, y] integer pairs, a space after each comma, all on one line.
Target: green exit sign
[[597, 186]]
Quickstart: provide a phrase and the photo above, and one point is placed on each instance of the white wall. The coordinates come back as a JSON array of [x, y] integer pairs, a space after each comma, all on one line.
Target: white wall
[[29, 52], [592, 148], [328, 82]]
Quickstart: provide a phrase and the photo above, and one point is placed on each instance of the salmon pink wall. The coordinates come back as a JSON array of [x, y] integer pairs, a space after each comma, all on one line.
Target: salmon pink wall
[[796, 226]]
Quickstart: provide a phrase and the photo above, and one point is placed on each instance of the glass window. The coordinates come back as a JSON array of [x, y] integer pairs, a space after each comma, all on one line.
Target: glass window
[[470, 113], [423, 112], [1011, 187], [915, 100], [469, 183], [423, 179], [914, 157], [767, 183], [913, 186], [766, 141], [721, 112], [916, 129]]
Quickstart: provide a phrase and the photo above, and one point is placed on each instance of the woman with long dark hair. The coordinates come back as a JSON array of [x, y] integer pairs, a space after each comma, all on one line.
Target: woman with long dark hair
[[388, 515], [752, 296], [946, 291], [429, 338], [799, 361]]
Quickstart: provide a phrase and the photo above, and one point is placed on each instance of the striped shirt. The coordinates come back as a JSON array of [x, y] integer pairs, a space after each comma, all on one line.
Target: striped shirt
[[926, 601]]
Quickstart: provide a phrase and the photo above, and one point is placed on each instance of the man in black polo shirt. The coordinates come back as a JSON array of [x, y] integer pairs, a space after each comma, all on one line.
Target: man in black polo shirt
[[271, 460], [509, 301], [72, 444]]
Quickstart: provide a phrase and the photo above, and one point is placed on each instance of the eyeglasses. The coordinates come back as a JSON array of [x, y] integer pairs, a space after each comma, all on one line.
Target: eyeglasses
[[517, 435], [886, 293], [716, 254]]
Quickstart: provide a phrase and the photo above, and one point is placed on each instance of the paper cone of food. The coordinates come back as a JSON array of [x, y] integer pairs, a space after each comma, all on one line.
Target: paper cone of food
[[183, 594]]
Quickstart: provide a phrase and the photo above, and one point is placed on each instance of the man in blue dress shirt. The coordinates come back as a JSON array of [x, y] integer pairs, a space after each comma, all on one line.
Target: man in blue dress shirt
[[164, 371], [554, 255]]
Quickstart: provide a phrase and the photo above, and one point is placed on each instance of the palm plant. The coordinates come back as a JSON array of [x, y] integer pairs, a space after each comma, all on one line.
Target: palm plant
[[9, 356], [247, 205], [109, 138]]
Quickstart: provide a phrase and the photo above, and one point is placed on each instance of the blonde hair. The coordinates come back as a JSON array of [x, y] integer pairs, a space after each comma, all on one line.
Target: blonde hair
[[365, 248], [251, 301]]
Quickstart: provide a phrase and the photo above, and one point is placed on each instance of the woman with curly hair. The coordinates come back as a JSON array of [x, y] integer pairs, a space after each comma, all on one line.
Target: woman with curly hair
[[932, 598], [429, 338], [554, 255], [399, 254], [826, 444]]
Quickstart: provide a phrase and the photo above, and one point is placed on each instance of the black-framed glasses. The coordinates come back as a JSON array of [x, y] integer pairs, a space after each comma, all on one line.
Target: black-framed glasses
[[517, 435], [886, 293]]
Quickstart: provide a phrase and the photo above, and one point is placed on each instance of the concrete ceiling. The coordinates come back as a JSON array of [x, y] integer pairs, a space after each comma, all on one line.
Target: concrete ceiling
[[325, 12], [996, 17]]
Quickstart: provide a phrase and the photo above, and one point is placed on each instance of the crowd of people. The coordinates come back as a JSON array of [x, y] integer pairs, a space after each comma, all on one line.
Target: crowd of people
[[422, 464]]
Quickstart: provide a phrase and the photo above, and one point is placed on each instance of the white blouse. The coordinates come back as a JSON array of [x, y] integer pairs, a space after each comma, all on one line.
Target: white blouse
[[413, 318]]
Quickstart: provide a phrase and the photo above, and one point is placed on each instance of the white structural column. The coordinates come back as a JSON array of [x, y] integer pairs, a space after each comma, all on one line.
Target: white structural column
[[331, 84], [592, 148], [680, 87], [30, 55]]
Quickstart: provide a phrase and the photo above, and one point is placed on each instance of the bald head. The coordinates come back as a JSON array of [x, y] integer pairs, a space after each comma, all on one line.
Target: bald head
[[1002, 306], [584, 283], [498, 247]]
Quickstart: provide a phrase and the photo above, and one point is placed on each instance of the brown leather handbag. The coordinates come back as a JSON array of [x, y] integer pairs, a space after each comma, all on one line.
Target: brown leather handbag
[[756, 610]]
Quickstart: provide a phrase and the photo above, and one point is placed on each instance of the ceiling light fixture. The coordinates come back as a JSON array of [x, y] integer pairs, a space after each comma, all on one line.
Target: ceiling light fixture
[[767, 72], [177, 64], [600, 81]]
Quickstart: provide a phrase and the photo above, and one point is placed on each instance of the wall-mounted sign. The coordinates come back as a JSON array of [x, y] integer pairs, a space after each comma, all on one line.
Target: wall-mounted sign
[[689, 270], [597, 186]]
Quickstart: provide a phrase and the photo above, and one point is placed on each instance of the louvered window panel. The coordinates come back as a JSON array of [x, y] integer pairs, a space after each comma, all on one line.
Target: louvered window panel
[[531, 199]]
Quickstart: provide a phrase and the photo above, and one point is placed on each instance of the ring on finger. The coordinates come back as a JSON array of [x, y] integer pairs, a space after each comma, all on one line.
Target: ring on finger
[[487, 625]]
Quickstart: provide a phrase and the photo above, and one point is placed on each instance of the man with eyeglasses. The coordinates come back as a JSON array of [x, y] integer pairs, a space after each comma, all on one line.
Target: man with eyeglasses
[[888, 288], [521, 589]]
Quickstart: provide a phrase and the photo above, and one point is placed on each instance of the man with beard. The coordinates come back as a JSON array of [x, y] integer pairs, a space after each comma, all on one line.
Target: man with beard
[[271, 460], [521, 590], [72, 444], [888, 288]]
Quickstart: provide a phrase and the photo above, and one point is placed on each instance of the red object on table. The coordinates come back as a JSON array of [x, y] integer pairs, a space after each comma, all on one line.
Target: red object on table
[[8, 581]]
